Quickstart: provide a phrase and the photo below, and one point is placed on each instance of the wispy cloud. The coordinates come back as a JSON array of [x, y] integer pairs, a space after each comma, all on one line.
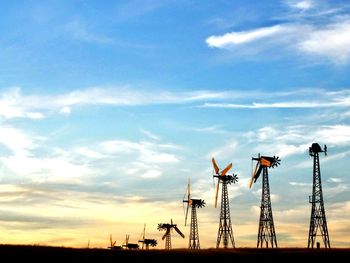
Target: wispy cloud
[[244, 37], [14, 104], [331, 41], [328, 39], [301, 5], [80, 32], [328, 100], [150, 135]]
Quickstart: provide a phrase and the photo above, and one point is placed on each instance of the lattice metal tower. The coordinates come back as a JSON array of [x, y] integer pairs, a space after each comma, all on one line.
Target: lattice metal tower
[[194, 204], [168, 241], [266, 232], [225, 232], [318, 215], [194, 236]]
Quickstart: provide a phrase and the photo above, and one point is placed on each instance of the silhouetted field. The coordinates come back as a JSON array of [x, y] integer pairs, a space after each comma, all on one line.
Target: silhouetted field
[[9, 253]]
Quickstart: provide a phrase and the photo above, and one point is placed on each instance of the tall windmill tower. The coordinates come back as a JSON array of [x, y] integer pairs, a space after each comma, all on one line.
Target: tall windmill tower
[[266, 233], [318, 214], [167, 236], [194, 204], [225, 226]]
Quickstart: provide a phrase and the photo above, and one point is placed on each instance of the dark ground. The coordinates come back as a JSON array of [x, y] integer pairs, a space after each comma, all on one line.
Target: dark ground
[[10, 253]]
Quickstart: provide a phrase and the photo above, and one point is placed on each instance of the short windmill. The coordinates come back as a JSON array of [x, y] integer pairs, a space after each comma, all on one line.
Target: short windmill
[[266, 233], [146, 241], [225, 226], [167, 236], [194, 204], [112, 243], [130, 245]]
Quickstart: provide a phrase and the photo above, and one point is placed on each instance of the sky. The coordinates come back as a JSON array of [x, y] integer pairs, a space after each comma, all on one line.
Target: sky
[[107, 107]]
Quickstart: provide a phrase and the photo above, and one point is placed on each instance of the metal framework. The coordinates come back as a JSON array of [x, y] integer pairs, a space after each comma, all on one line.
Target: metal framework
[[167, 236], [225, 227], [318, 215], [266, 233], [168, 241], [194, 236]]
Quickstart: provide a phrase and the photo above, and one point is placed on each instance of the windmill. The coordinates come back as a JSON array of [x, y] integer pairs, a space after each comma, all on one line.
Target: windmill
[[194, 204], [225, 226], [146, 241], [318, 214], [266, 233], [167, 236], [112, 243], [130, 245]]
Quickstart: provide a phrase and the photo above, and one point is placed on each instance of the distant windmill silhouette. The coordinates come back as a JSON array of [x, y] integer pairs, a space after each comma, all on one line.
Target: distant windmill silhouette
[[266, 233], [167, 236], [225, 226], [146, 241], [193, 203], [112, 243], [130, 245]]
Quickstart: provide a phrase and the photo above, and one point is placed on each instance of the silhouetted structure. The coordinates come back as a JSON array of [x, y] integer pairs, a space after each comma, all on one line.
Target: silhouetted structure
[[194, 204], [266, 232], [167, 236], [130, 245], [146, 241], [318, 215], [225, 227], [112, 243]]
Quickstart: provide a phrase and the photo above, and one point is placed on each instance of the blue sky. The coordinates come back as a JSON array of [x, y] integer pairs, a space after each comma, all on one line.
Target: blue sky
[[107, 107]]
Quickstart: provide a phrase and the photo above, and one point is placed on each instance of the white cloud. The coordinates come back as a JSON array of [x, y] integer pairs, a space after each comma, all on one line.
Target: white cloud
[[280, 105], [223, 152], [301, 5], [85, 151], [332, 42], [13, 104], [335, 180], [329, 40], [296, 139], [16, 140], [150, 134], [334, 134], [65, 110], [79, 31], [147, 152], [238, 38], [35, 115]]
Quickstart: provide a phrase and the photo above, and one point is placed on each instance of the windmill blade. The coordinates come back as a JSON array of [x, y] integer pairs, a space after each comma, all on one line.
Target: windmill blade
[[179, 232], [228, 167], [110, 239], [189, 188], [216, 168], [114, 243], [216, 194], [253, 175], [186, 213], [167, 232], [258, 173]]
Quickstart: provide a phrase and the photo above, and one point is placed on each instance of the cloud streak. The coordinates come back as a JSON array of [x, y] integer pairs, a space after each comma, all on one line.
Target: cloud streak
[[14, 104], [328, 40]]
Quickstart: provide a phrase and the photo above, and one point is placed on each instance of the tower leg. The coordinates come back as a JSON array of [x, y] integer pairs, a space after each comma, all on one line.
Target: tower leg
[[225, 226], [266, 233]]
